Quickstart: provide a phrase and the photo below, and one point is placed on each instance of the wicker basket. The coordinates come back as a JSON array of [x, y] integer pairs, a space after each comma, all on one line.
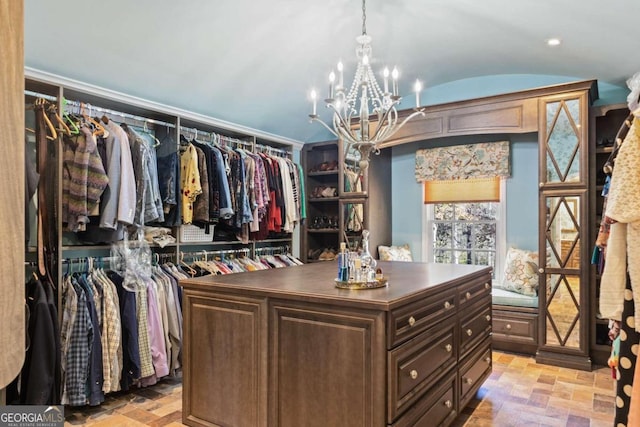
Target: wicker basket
[[191, 233]]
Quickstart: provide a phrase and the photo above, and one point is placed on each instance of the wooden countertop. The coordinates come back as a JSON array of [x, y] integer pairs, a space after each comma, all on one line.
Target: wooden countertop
[[315, 283]]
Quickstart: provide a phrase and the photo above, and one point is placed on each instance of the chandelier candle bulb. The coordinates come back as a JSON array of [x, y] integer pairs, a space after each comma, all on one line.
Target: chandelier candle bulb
[[332, 79], [314, 98], [385, 73], [394, 76], [340, 75], [418, 88]]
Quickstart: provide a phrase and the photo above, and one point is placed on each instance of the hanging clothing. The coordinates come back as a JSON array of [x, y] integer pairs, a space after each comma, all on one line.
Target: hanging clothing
[[40, 377], [83, 179], [190, 186], [623, 205]]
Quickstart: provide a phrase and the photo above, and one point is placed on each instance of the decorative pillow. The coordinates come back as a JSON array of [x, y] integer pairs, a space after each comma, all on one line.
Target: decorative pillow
[[395, 253], [520, 272]]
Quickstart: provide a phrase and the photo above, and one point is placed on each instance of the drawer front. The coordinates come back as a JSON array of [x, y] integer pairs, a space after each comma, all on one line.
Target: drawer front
[[475, 328], [474, 370], [515, 327], [416, 365], [470, 293], [436, 409], [408, 321]]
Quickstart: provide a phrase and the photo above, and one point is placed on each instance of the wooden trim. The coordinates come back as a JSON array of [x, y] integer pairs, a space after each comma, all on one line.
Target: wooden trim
[[515, 112]]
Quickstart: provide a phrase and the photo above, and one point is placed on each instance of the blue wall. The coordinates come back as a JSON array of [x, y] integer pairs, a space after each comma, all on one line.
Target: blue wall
[[522, 191], [522, 188]]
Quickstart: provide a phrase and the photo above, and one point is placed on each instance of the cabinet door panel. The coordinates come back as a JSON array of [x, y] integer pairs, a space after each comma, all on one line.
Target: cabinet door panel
[[327, 367], [225, 345]]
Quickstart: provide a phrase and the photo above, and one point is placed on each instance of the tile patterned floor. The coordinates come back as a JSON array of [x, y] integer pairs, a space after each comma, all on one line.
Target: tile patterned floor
[[518, 393]]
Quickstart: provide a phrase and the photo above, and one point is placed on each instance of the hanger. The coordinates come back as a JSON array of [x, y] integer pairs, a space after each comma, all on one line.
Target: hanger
[[63, 126], [99, 130], [191, 271], [145, 129], [53, 134]]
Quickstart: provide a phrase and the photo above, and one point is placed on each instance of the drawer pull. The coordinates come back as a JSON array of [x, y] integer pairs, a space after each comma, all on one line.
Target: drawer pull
[[447, 305], [488, 360], [488, 317], [508, 326], [487, 286], [414, 374], [412, 321], [469, 381], [469, 332], [468, 296], [541, 270], [448, 404], [448, 347]]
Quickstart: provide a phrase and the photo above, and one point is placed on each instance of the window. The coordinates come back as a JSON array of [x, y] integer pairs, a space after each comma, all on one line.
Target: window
[[466, 233]]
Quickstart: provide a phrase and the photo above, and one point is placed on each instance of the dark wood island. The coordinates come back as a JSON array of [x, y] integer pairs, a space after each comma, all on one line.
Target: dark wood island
[[286, 348]]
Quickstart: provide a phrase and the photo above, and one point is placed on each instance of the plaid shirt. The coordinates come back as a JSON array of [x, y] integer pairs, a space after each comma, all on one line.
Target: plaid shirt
[[78, 351], [144, 345], [111, 333], [69, 311]]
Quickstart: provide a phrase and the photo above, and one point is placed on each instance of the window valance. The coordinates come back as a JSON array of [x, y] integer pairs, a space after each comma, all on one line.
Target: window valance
[[482, 160]]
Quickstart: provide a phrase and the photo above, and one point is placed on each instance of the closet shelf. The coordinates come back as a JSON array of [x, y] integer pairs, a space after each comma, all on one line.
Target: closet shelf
[[604, 150], [323, 230], [321, 173], [324, 199]]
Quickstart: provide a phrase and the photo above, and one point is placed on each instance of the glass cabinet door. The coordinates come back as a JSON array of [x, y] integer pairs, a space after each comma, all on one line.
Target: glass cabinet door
[[564, 142], [563, 215], [562, 274]]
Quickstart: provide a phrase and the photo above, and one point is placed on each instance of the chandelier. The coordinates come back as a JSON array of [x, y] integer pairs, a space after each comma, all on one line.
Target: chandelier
[[364, 115]]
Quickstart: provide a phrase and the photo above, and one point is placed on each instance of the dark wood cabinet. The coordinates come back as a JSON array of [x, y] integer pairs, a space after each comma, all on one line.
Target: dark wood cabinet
[[338, 209], [287, 348]]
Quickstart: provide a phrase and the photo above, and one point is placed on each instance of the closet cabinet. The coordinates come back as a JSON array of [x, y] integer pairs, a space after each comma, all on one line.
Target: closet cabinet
[[361, 200], [321, 230], [564, 230], [605, 122]]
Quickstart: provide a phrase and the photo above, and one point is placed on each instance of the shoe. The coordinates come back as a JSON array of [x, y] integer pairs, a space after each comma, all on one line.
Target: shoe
[[327, 255], [329, 192]]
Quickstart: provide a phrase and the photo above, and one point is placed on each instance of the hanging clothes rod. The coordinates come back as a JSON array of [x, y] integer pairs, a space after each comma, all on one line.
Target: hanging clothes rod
[[213, 136], [40, 95], [271, 250], [77, 105], [272, 150], [243, 251]]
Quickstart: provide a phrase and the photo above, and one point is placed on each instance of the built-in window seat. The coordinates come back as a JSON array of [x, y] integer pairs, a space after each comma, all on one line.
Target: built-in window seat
[[515, 321]]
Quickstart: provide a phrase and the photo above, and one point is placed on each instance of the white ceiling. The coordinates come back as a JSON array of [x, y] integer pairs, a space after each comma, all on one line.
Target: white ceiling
[[253, 62]]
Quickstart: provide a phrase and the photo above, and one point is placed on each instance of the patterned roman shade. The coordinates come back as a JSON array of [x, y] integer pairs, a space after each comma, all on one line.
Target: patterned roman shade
[[482, 160], [463, 173]]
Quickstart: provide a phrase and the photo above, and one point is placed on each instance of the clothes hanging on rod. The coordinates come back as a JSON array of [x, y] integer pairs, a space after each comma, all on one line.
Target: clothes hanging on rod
[[118, 333], [242, 193], [40, 377], [140, 172], [220, 262]]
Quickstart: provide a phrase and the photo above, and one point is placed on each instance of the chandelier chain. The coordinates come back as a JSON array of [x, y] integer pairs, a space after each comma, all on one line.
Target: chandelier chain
[[364, 18]]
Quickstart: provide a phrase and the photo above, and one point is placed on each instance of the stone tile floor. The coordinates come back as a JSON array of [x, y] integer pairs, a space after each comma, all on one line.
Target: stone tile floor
[[519, 393]]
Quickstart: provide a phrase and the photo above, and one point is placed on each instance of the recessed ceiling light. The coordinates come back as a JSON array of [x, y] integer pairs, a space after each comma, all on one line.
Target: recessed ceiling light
[[554, 42]]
